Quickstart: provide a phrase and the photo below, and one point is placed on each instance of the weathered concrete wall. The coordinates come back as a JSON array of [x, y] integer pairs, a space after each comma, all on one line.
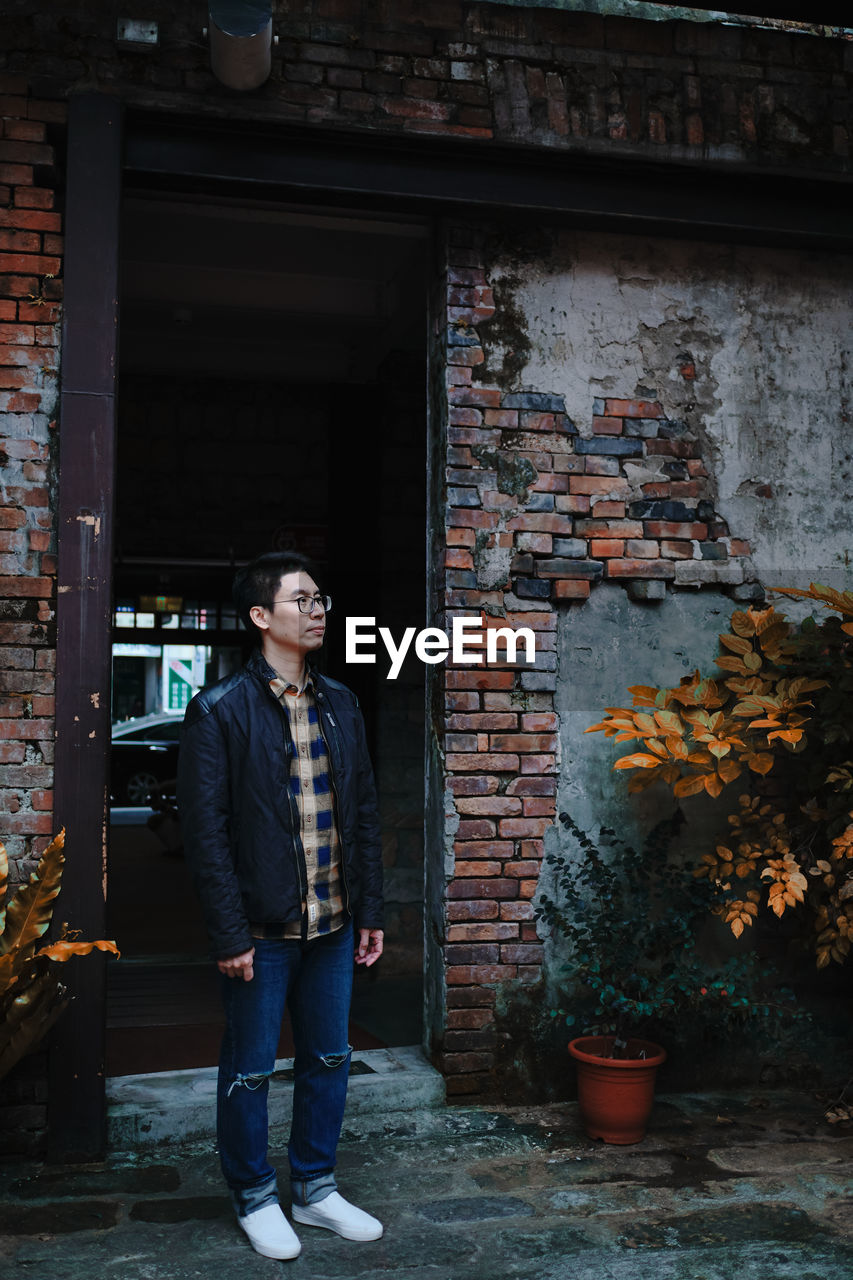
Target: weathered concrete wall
[[601, 649], [750, 348]]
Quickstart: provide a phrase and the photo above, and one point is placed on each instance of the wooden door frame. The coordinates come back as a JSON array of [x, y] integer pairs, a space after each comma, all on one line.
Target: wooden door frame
[[76, 1102]]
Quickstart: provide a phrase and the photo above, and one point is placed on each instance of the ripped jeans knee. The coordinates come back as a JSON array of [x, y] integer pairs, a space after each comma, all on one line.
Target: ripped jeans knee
[[248, 1080], [334, 1060]]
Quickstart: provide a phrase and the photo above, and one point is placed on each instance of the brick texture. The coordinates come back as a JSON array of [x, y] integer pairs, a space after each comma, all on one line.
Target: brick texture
[[460, 70], [542, 548], [30, 308]]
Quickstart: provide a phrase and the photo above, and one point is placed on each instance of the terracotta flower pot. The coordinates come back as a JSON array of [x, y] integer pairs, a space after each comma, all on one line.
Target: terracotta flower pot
[[615, 1094]]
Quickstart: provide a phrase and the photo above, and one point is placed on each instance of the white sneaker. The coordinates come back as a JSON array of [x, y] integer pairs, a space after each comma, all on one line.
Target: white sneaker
[[337, 1214], [270, 1234]]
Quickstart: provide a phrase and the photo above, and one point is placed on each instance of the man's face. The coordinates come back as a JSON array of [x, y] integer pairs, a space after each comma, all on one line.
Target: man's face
[[284, 624]]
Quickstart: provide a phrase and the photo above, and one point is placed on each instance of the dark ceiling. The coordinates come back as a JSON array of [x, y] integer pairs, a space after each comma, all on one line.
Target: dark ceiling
[[234, 289]]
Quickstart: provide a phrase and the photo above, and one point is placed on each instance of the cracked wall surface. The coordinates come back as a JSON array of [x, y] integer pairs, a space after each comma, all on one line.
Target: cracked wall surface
[[749, 347], [639, 433]]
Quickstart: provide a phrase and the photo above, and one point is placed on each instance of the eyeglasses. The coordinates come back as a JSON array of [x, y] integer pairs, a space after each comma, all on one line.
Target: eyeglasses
[[307, 604]]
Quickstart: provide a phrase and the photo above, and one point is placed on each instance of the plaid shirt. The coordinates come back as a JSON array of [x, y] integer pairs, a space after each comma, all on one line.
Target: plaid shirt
[[323, 908]]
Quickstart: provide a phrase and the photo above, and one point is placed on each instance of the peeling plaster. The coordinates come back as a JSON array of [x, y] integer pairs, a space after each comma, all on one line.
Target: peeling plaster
[[748, 347], [94, 521]]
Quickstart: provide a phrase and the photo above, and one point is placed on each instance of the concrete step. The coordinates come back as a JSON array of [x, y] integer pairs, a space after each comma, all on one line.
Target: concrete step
[[168, 1107]]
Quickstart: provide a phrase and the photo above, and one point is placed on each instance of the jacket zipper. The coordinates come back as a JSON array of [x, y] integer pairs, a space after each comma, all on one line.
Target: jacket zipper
[[321, 698], [299, 853]]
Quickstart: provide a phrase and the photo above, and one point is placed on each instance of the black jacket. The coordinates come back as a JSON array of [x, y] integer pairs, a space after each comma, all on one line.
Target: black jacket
[[239, 819]]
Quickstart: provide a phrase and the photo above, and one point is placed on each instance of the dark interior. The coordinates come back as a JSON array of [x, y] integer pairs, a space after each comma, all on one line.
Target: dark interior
[[272, 395]]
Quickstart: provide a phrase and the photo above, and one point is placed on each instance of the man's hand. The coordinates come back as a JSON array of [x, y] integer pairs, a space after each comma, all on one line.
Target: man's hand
[[238, 966], [369, 946]]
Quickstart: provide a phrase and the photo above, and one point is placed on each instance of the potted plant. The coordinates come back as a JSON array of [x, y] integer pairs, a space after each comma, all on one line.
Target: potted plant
[[633, 921]]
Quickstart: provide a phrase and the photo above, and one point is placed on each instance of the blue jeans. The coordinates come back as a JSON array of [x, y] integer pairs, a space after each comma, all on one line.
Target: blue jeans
[[314, 980]]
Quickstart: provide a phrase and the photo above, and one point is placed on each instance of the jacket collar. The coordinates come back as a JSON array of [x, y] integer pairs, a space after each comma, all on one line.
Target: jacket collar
[[258, 666]]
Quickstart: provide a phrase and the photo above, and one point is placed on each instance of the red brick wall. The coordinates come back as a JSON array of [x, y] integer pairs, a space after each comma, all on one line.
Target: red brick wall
[[671, 90], [548, 498], [30, 296]]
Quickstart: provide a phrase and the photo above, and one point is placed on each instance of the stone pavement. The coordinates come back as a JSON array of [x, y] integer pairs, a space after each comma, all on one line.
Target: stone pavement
[[754, 1187]]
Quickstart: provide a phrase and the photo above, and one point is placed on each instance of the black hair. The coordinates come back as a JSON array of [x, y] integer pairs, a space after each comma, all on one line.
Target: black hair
[[258, 582]]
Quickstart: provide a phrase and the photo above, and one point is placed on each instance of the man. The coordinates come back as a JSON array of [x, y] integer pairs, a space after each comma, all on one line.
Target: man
[[281, 829]]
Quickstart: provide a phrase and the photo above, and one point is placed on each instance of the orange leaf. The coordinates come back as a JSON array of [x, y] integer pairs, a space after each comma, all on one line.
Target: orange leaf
[[728, 663], [787, 735], [737, 644], [728, 770], [644, 694], [742, 624], [669, 721], [690, 785], [28, 914], [637, 761], [65, 950]]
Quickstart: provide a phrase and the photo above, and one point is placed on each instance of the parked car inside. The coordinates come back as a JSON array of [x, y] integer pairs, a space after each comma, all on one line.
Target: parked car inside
[[144, 755]]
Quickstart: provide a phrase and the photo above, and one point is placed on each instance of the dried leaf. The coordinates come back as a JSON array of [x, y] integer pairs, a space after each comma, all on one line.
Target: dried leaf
[[737, 644], [742, 624], [840, 601], [62, 951], [28, 914]]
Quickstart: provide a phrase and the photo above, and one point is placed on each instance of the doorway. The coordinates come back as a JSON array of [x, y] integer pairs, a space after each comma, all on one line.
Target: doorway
[[272, 394]]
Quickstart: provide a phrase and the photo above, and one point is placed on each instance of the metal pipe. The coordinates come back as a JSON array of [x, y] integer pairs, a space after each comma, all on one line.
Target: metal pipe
[[240, 42]]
